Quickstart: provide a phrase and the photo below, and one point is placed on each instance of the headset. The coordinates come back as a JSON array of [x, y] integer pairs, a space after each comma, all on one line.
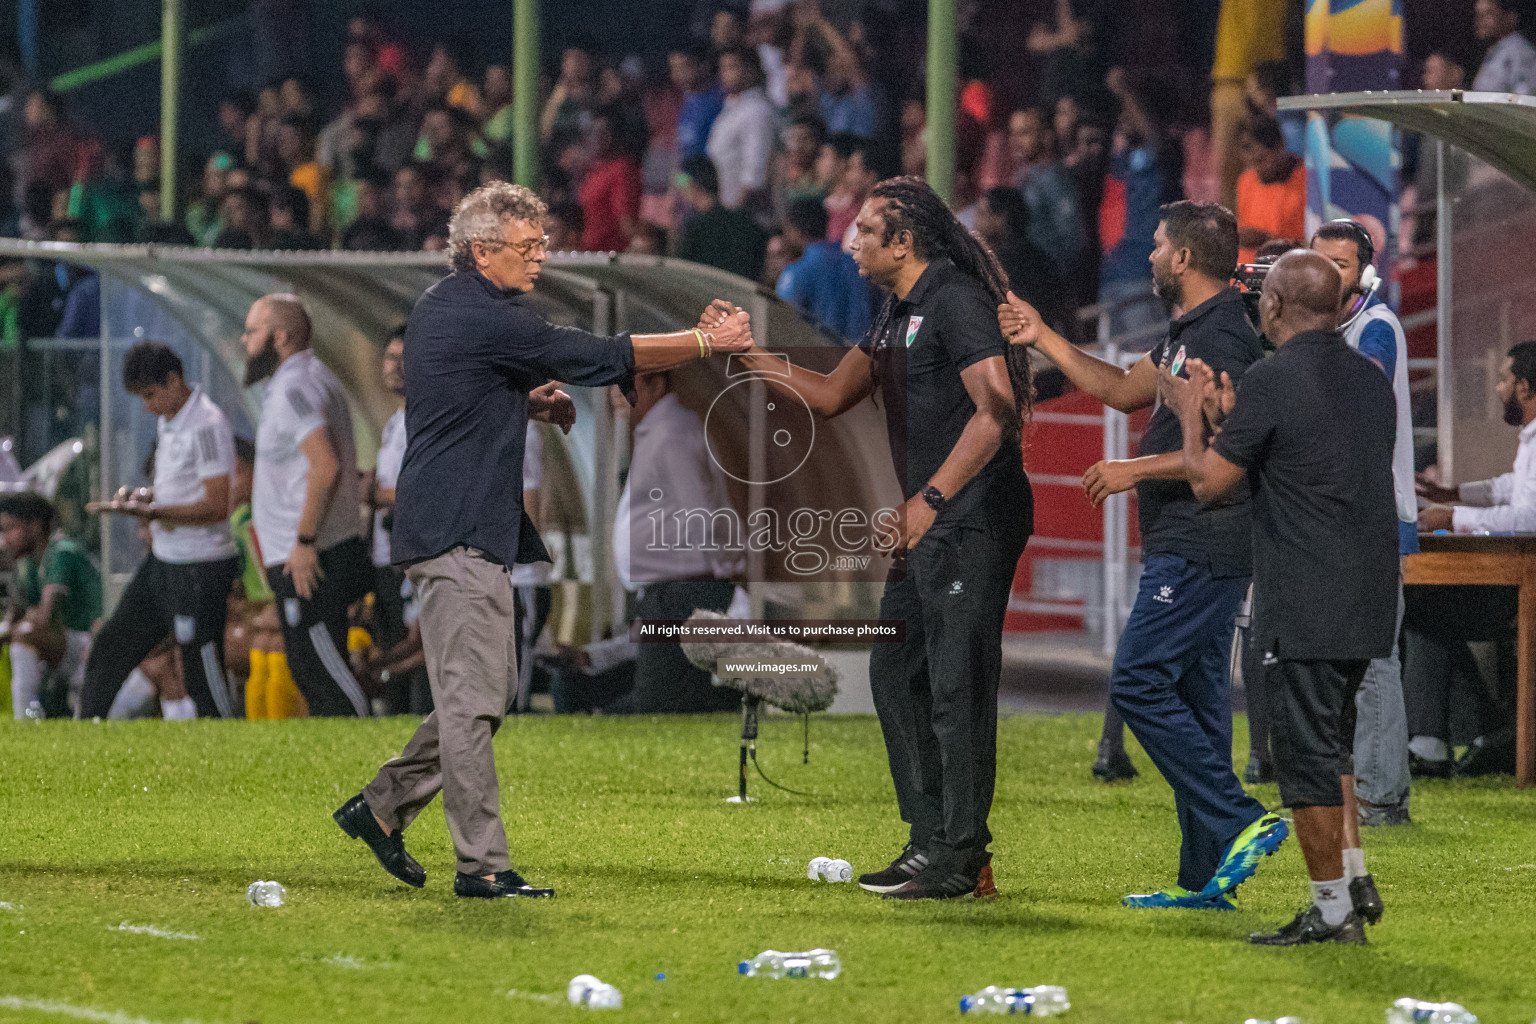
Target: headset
[[1369, 279]]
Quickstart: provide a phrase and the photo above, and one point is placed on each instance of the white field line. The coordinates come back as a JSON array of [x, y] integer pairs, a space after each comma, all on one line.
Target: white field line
[[149, 929], [64, 1009]]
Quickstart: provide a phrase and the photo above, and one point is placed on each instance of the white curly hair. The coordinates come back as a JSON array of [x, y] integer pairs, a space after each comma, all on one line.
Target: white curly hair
[[481, 214]]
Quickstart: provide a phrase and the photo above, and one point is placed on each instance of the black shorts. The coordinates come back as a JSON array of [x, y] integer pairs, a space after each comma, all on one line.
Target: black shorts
[[1312, 727]]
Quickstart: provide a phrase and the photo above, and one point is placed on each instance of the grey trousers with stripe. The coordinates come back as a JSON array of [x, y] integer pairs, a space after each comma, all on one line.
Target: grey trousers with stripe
[[467, 632]]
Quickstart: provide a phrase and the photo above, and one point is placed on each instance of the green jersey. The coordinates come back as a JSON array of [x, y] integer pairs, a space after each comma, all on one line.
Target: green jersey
[[253, 578], [65, 564]]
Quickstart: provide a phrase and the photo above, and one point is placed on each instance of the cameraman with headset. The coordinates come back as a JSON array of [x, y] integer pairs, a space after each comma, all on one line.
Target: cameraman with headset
[[1381, 733]]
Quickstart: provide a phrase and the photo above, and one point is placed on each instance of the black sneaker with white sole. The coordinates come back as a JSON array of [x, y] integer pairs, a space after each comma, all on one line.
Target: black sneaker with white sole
[[907, 866], [937, 882]]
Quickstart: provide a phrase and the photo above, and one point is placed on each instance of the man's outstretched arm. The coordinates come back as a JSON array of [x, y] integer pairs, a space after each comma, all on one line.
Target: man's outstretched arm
[[1118, 388], [827, 394]]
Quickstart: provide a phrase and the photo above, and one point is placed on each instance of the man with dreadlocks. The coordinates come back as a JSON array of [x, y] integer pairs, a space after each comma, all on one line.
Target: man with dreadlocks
[[955, 394]]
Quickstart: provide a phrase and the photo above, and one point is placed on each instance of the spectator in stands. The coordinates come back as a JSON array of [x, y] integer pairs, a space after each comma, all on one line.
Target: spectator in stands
[[692, 72], [1004, 221], [414, 218], [1266, 84], [235, 111], [296, 152], [848, 101], [370, 229], [181, 587], [649, 239], [565, 223], [51, 149], [1272, 191], [1056, 223], [202, 217], [1139, 180], [1438, 670], [570, 100], [717, 235], [496, 93], [794, 175], [857, 175], [1069, 66], [610, 190], [824, 282], [741, 140], [288, 220], [243, 220], [306, 500], [59, 600], [1510, 64], [445, 82]]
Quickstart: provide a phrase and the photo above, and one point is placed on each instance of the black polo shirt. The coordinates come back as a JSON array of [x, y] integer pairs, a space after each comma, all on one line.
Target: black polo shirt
[[472, 354], [946, 323], [1173, 522], [1314, 427]]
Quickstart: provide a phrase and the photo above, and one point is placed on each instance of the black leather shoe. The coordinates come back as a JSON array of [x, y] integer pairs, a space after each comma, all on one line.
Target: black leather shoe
[[1424, 768], [1366, 900], [1485, 758], [1114, 766], [1308, 927], [356, 820], [507, 884]]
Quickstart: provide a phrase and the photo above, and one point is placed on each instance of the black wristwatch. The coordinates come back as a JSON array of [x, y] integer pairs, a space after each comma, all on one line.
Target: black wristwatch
[[306, 539], [934, 498]]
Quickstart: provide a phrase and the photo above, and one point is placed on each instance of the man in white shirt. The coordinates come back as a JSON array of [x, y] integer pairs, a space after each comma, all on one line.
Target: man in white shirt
[[1442, 619], [306, 502], [741, 139], [674, 485], [1510, 64], [182, 587]]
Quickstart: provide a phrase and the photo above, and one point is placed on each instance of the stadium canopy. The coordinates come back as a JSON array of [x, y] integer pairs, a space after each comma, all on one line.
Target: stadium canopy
[[196, 301]]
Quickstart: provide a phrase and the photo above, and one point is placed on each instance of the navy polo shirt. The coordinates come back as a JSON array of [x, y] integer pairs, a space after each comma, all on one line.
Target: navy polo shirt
[[472, 354]]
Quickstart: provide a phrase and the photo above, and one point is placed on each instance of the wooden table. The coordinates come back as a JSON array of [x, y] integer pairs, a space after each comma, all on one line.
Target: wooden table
[[1497, 561]]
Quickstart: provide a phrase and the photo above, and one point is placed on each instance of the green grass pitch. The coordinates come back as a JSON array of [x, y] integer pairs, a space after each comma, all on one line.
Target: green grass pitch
[[162, 826]]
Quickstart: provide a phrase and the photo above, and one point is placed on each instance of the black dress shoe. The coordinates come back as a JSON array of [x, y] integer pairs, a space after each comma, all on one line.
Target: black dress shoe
[[1308, 927], [1258, 772], [1365, 898], [1424, 768], [356, 819], [1484, 758], [507, 884], [1114, 766]]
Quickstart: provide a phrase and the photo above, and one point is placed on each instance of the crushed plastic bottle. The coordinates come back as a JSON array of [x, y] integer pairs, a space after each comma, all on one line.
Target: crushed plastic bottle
[[1277, 1020], [262, 893], [1039, 1001], [593, 993], [825, 869], [1416, 1011], [770, 963]]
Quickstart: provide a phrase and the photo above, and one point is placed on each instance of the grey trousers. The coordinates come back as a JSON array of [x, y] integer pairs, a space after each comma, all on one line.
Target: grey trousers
[[467, 633], [1381, 729]]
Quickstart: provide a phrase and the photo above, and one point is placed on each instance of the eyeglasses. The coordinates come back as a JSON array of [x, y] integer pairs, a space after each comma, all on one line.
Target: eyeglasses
[[531, 246]]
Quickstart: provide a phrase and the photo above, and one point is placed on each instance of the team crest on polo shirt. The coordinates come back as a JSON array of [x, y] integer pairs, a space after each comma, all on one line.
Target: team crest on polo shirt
[[913, 324]]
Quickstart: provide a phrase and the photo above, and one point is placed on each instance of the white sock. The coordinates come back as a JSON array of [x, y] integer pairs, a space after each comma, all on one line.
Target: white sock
[[1354, 864], [1430, 748], [136, 692], [1332, 898], [178, 710], [26, 678]]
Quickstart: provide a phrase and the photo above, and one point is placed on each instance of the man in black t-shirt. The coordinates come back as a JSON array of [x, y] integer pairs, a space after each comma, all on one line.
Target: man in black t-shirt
[[1312, 432], [1170, 674], [953, 402]]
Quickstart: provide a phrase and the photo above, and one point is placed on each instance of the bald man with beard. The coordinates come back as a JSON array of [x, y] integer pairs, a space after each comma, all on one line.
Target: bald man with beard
[[1313, 429]]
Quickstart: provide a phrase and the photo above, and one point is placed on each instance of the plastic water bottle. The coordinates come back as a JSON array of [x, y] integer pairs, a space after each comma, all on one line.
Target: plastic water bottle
[[262, 893], [1040, 1001], [816, 867], [838, 871], [1417, 1011], [593, 993], [770, 963], [1277, 1020]]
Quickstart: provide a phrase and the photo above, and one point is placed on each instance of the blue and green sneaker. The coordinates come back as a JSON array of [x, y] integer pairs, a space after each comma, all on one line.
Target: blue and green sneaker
[[1177, 897], [1259, 840]]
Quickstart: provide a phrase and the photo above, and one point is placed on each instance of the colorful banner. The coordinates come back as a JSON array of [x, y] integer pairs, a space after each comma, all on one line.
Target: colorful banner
[[1353, 162]]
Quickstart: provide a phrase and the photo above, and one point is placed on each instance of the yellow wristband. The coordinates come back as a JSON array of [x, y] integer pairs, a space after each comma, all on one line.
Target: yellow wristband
[[699, 337]]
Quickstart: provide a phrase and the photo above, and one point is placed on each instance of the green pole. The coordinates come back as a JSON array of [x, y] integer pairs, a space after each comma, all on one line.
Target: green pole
[[170, 97], [943, 55], [525, 92]]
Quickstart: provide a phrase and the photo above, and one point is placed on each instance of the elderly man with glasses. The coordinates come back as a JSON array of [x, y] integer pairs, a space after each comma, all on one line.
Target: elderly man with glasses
[[480, 361]]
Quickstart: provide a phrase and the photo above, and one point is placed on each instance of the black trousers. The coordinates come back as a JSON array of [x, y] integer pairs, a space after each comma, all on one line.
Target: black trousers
[[1445, 694], [1312, 727], [187, 600], [407, 692], [936, 692], [666, 682], [315, 630]]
